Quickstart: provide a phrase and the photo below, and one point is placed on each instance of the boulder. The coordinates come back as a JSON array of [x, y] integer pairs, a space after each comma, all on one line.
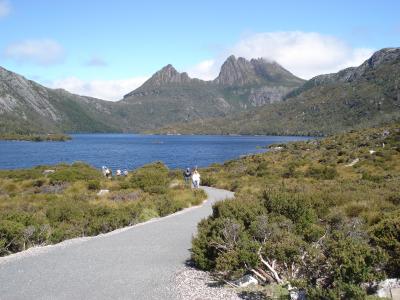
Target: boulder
[[246, 280], [103, 192], [47, 172], [389, 288], [353, 162], [297, 294]]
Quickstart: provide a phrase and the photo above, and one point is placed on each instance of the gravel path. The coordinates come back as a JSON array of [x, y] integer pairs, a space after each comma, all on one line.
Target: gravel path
[[192, 284], [138, 262]]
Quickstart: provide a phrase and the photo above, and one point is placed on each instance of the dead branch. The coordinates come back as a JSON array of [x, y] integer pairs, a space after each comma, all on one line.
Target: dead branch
[[271, 268]]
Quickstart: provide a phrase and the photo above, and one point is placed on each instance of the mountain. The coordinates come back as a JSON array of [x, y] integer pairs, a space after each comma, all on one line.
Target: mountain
[[172, 97], [26, 106], [167, 97], [248, 97], [352, 98]]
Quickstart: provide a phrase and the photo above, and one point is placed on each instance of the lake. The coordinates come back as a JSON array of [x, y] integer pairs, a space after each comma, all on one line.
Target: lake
[[120, 151]]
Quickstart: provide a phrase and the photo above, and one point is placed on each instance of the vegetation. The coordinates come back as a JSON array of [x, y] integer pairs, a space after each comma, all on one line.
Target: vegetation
[[36, 137], [322, 214], [40, 207]]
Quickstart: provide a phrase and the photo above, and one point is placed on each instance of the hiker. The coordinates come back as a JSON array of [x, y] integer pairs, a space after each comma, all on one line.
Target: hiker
[[196, 179], [186, 175], [106, 172], [125, 173], [118, 172]]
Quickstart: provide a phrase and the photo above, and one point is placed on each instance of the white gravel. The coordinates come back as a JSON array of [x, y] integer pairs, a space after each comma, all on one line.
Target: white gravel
[[193, 284]]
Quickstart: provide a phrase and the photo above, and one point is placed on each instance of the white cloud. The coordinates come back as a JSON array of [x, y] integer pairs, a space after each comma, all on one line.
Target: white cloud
[[305, 54], [103, 89], [42, 52], [5, 8], [206, 70]]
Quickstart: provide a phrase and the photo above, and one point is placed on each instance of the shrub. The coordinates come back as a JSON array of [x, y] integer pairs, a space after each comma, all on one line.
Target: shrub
[[386, 234], [151, 178], [11, 236], [322, 173], [77, 171], [208, 180], [93, 185]]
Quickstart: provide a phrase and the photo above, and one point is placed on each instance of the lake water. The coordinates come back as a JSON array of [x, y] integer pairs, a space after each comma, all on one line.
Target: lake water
[[133, 150]]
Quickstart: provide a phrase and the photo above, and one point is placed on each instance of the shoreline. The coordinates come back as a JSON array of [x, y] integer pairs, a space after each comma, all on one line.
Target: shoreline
[[35, 137]]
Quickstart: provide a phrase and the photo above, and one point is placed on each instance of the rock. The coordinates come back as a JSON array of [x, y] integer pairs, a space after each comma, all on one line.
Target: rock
[[395, 293], [267, 94], [279, 148], [103, 192], [372, 151], [389, 288], [246, 280], [353, 162], [297, 294], [47, 172]]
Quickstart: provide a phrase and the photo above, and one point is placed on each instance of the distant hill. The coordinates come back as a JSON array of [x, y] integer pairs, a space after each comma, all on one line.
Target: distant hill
[[167, 97], [352, 98]]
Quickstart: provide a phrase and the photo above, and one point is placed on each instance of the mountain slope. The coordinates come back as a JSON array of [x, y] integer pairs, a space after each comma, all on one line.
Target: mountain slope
[[352, 98], [26, 106]]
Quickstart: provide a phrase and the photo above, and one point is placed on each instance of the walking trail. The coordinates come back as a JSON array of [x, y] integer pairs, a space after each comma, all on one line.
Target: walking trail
[[138, 262]]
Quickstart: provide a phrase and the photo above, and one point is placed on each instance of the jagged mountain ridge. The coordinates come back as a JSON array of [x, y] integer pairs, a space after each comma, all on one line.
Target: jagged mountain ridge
[[355, 97], [241, 72], [255, 82]]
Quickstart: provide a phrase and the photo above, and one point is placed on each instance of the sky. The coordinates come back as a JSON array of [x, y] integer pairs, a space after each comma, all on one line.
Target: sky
[[105, 49]]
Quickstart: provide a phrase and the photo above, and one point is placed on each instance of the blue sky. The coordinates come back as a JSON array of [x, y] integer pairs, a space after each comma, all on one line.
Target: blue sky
[[107, 48]]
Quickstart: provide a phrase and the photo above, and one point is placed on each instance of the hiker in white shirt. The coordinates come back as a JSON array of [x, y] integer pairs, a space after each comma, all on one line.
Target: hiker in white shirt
[[196, 179]]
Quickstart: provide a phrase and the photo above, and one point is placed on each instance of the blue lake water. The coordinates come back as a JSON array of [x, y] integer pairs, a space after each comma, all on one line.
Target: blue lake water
[[132, 150]]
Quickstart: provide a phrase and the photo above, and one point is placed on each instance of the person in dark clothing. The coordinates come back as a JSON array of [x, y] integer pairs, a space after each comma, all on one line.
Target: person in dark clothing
[[186, 175]]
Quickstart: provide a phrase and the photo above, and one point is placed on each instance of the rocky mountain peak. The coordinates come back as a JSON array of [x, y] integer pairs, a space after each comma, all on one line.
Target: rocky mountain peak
[[240, 72], [167, 74], [164, 76], [235, 71]]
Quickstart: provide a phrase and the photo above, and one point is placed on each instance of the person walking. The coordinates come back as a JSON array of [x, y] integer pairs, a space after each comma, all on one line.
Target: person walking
[[186, 176], [196, 179]]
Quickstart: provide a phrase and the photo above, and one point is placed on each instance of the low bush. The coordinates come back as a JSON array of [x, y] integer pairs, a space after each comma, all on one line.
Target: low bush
[[93, 185]]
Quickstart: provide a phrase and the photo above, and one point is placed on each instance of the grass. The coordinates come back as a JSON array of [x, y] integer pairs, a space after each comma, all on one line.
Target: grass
[[38, 209]]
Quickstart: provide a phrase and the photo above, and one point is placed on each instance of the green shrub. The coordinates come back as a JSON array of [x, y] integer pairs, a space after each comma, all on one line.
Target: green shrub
[[151, 178], [386, 234], [147, 214], [93, 185], [322, 173], [11, 236], [77, 171], [208, 180]]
